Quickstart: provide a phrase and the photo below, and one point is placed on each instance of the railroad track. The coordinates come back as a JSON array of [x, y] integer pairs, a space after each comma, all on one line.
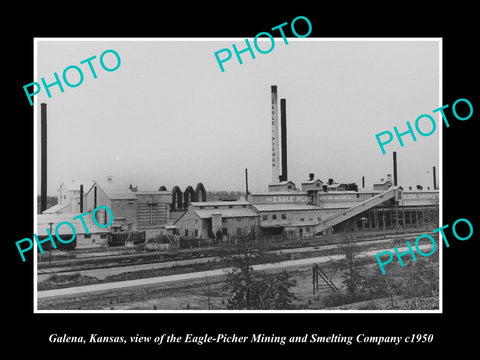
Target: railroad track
[[201, 274], [106, 262]]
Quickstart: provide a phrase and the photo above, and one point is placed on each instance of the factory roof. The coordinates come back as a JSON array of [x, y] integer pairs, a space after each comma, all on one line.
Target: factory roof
[[55, 209], [285, 182], [220, 203], [234, 212], [273, 193], [383, 182], [335, 185], [44, 221], [117, 192], [75, 185], [312, 181], [284, 207]]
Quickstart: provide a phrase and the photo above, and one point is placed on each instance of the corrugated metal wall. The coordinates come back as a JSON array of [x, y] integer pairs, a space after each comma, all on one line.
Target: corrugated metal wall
[[151, 214]]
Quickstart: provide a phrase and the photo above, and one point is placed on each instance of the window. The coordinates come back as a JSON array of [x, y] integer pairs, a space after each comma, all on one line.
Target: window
[[319, 219], [244, 206], [196, 221], [302, 219], [202, 207], [310, 219], [358, 195], [225, 231], [317, 184], [239, 219], [274, 217], [196, 232], [239, 231], [230, 206], [289, 187], [215, 207], [87, 236], [265, 217], [186, 232], [284, 216], [103, 236], [224, 220], [93, 241]]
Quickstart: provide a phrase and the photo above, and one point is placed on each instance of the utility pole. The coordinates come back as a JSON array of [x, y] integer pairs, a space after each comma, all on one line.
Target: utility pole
[[50, 248]]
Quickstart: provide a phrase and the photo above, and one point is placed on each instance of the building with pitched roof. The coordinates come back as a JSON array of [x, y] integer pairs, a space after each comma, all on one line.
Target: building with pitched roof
[[120, 199], [132, 209], [96, 237], [312, 186], [383, 184], [69, 197], [285, 185], [206, 219]]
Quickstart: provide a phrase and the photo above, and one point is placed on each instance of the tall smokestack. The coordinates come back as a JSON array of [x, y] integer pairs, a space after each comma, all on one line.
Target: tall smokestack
[[283, 120], [43, 176], [246, 184], [434, 179], [275, 147], [363, 182], [81, 198], [394, 168]]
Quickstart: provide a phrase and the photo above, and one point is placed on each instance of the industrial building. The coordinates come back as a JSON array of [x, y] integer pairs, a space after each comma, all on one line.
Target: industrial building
[[97, 237], [318, 207], [207, 219], [325, 207], [132, 209]]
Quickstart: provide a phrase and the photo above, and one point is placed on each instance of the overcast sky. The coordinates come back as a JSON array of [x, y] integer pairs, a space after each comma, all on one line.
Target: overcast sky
[[169, 116]]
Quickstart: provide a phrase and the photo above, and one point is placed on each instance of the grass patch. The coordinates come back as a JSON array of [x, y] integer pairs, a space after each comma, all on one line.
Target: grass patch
[[57, 281]]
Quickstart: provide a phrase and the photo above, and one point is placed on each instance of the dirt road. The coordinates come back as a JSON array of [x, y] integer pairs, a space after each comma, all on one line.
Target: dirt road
[[202, 274]]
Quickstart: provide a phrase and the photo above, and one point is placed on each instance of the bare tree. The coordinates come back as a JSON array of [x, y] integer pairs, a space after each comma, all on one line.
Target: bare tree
[[353, 277], [384, 285]]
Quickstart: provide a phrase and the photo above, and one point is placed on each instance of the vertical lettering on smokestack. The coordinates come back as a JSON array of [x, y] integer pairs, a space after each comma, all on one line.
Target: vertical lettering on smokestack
[[275, 140], [283, 121]]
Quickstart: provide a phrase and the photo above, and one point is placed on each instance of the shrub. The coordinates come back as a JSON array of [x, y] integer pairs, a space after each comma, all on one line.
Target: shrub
[[343, 297]]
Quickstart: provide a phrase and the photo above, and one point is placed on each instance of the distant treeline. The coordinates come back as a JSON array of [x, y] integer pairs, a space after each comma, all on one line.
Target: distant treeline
[[223, 195]]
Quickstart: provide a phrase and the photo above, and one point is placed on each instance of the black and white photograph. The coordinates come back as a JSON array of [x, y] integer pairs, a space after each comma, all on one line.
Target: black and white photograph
[[241, 182], [262, 187]]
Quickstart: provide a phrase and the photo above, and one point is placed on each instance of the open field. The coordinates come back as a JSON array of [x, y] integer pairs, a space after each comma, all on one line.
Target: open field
[[209, 294], [204, 292], [84, 274]]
